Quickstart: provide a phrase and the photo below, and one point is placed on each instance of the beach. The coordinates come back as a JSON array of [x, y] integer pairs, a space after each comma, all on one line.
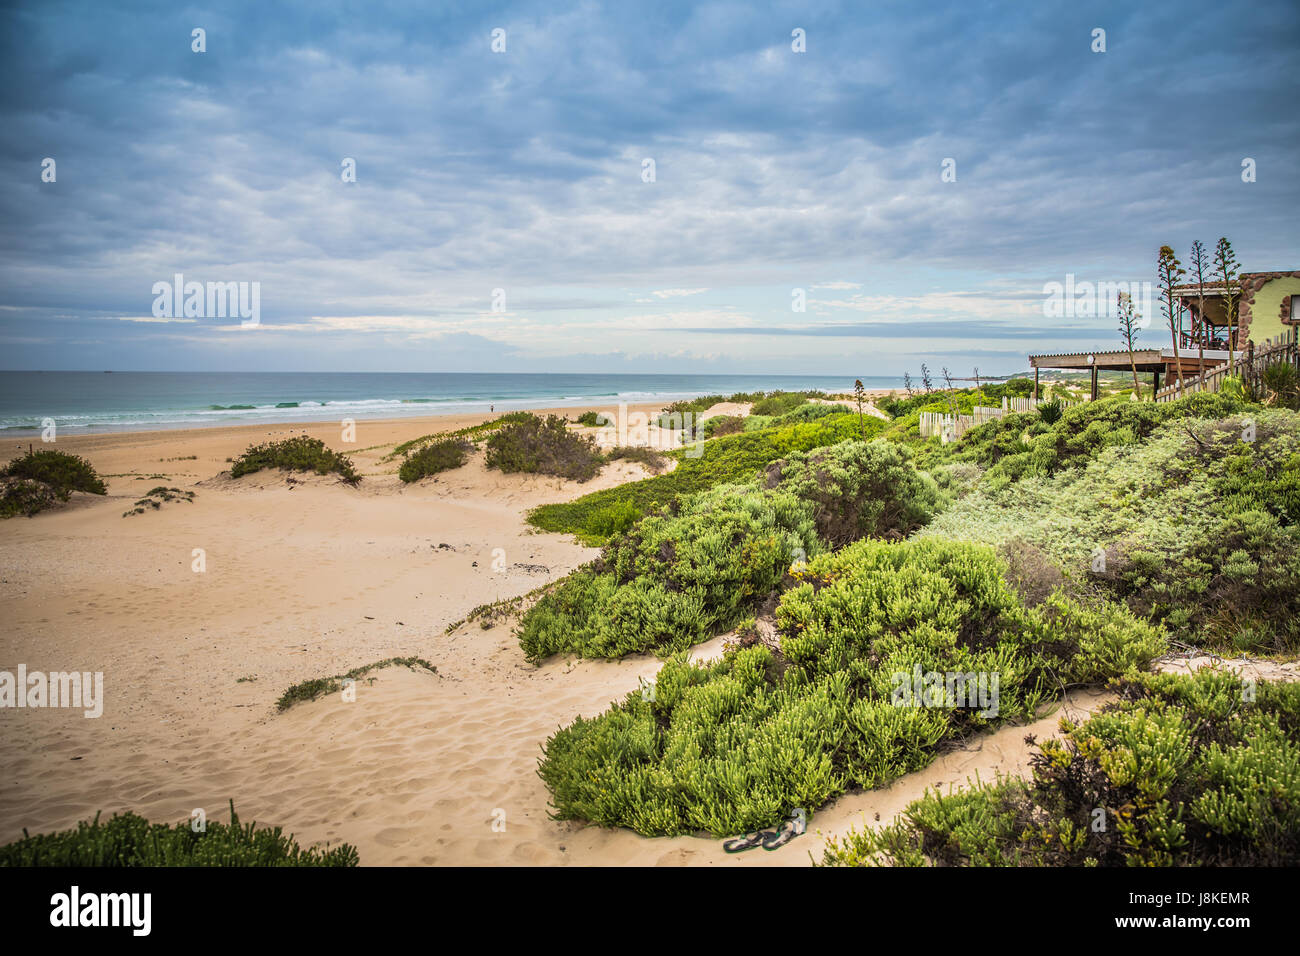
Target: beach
[[303, 577]]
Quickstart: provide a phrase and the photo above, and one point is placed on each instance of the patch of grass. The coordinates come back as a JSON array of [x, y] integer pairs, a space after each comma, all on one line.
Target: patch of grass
[[33, 482], [490, 615], [155, 497], [299, 453], [535, 445], [320, 686], [1185, 770], [129, 840], [652, 459], [437, 456]]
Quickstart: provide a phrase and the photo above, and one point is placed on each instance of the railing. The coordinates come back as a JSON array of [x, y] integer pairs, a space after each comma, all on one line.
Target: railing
[[1250, 366], [949, 428]]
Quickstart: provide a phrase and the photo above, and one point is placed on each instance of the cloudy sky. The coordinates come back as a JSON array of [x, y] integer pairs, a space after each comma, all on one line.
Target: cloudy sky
[[525, 170]]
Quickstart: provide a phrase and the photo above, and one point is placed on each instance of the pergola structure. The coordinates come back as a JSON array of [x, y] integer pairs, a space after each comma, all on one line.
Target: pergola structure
[[1158, 362]]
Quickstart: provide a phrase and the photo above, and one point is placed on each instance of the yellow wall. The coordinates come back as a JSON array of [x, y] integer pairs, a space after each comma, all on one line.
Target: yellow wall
[[1264, 320]]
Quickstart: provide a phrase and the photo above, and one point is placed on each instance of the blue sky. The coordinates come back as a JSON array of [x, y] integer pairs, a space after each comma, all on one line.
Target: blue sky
[[522, 170]]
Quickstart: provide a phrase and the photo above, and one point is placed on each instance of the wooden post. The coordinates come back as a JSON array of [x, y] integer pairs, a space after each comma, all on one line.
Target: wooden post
[[1035, 383], [1155, 383], [1094, 382]]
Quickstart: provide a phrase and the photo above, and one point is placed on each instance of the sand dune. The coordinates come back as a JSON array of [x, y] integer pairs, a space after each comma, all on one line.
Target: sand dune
[[308, 577]]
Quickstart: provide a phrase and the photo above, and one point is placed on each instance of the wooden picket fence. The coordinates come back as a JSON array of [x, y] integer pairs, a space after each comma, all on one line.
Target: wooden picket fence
[[949, 428], [1250, 365]]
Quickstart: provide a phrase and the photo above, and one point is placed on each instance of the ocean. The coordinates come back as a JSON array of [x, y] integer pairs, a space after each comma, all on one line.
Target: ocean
[[86, 402]]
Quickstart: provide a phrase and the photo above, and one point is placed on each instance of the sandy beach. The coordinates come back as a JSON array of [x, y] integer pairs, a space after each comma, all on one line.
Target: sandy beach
[[308, 577]]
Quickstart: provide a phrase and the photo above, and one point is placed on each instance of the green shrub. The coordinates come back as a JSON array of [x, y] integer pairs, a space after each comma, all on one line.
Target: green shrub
[[36, 480], [722, 425], [1183, 771], [1050, 412], [24, 496], [1191, 526], [778, 403], [740, 743], [674, 579], [859, 489], [130, 840], [299, 453], [725, 460], [594, 419], [472, 432], [435, 457], [534, 445], [812, 411]]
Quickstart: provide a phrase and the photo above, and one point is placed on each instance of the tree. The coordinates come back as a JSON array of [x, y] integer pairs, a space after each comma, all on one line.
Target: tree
[[1170, 270], [925, 379], [1128, 326], [1199, 263], [1225, 267], [860, 394], [907, 383]]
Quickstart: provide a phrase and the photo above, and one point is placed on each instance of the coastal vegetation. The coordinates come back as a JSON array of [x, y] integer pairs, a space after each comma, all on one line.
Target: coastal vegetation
[[129, 840], [536, 445], [440, 455], [739, 743], [727, 459], [155, 498], [1200, 770], [300, 453], [471, 433], [320, 686], [1059, 547], [35, 481]]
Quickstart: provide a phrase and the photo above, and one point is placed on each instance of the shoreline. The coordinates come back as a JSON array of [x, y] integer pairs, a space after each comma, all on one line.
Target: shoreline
[[380, 430]]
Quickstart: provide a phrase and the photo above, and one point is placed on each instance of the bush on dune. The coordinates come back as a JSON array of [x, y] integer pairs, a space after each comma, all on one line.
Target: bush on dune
[[435, 457], [859, 489], [677, 578], [674, 579], [1185, 771], [299, 453], [33, 482], [720, 425], [535, 445], [738, 744], [130, 840]]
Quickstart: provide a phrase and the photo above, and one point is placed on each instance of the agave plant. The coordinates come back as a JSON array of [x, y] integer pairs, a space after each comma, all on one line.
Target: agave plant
[[1281, 385]]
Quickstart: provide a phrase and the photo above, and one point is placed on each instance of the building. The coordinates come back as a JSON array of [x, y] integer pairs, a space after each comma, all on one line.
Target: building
[[1267, 310]]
